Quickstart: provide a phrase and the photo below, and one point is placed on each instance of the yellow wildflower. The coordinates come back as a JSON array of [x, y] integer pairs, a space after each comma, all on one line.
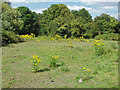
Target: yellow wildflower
[[84, 68], [88, 70], [39, 60], [34, 56], [67, 39], [70, 42]]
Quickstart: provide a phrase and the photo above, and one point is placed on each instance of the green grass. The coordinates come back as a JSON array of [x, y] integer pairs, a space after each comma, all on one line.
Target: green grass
[[17, 68]]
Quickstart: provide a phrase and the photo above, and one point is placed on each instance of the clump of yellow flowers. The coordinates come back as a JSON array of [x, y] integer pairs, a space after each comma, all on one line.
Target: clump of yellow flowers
[[98, 47], [31, 36], [82, 38], [35, 61], [57, 37], [53, 60], [97, 42], [86, 69]]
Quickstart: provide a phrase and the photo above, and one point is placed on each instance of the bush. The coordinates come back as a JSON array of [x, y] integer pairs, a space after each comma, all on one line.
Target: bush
[[110, 36], [98, 47], [10, 37]]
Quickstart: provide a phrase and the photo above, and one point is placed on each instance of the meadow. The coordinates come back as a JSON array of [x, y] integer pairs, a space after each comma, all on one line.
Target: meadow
[[79, 63]]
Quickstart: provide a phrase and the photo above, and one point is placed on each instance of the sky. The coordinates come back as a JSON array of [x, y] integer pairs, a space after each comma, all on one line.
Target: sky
[[95, 7]]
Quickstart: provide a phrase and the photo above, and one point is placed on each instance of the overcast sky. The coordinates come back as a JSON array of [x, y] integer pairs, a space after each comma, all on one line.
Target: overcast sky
[[95, 7]]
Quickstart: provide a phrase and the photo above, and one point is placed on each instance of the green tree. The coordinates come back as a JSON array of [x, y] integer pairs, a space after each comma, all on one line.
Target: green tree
[[53, 12], [106, 23], [11, 19], [82, 13], [31, 21]]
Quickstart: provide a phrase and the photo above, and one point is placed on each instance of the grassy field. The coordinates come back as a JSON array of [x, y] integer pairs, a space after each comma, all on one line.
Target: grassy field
[[17, 68]]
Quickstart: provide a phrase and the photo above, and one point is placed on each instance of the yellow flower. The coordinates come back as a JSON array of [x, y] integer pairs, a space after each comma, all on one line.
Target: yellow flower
[[33, 56], [36, 56], [55, 57], [67, 39], [75, 39], [69, 42], [92, 44], [84, 68], [98, 44], [39, 60], [88, 70]]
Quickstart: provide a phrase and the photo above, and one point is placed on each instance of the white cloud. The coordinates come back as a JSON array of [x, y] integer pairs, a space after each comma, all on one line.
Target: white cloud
[[17, 0], [109, 7], [88, 1], [77, 7], [39, 0], [91, 10], [39, 10], [114, 15], [15, 7], [99, 0]]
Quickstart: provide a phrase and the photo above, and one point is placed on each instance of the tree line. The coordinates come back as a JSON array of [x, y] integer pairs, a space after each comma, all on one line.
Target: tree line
[[57, 19]]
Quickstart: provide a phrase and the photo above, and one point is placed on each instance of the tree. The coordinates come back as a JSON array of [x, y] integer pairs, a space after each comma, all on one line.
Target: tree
[[82, 13], [52, 14], [55, 26], [31, 21], [106, 23], [11, 19]]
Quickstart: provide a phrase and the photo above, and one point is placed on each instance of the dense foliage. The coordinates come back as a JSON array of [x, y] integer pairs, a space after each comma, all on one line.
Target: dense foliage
[[57, 20]]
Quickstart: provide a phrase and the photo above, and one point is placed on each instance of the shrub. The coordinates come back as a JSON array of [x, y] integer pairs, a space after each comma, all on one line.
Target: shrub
[[110, 36], [10, 37], [98, 47], [35, 61]]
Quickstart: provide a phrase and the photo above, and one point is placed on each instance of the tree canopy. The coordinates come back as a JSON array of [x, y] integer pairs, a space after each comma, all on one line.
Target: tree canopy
[[57, 19]]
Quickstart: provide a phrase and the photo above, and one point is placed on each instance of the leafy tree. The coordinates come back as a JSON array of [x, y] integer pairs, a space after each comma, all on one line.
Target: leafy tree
[[31, 21], [11, 19], [82, 13], [106, 23], [55, 26], [53, 12]]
